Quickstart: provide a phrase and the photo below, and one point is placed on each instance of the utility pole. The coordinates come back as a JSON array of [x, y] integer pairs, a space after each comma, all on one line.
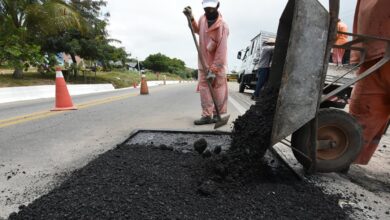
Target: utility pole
[[139, 71]]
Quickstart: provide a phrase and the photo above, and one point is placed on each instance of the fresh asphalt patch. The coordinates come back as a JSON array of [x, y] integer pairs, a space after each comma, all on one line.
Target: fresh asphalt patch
[[170, 180]]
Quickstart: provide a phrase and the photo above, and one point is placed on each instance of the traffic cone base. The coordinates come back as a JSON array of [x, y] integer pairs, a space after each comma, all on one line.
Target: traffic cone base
[[63, 99], [63, 109]]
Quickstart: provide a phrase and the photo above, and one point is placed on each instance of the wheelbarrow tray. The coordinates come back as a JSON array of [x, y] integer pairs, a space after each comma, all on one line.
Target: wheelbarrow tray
[[298, 63]]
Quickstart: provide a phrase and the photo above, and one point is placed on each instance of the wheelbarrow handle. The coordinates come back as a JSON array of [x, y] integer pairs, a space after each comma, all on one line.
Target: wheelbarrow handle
[[334, 8]]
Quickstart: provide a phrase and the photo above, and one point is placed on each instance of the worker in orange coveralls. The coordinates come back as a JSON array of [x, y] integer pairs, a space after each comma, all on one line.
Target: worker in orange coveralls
[[341, 39], [213, 34], [370, 100]]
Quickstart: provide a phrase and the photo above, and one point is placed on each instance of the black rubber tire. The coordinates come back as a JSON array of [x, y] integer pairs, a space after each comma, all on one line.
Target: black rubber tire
[[331, 119], [242, 85]]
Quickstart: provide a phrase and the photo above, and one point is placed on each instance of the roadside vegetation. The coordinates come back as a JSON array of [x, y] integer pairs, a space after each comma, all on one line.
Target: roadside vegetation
[[122, 79], [34, 32], [118, 78]]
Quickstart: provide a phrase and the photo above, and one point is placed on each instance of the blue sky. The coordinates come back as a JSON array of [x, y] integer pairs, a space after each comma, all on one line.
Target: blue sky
[[153, 26]]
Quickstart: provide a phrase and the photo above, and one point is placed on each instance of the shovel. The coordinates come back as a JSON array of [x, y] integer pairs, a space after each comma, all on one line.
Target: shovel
[[221, 121]]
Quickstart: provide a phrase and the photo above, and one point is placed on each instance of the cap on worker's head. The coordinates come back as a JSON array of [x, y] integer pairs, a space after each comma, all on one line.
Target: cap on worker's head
[[210, 3]]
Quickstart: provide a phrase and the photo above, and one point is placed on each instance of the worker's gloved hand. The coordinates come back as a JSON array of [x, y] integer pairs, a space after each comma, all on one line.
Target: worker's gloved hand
[[210, 76], [188, 12]]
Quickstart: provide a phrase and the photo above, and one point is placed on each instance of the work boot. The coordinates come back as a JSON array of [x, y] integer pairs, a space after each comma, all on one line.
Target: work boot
[[216, 118], [204, 120]]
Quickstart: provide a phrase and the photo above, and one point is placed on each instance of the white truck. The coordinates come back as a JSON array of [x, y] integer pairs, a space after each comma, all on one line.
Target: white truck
[[247, 76]]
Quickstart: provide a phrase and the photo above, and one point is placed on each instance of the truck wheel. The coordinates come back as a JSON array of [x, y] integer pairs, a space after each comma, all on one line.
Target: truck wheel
[[242, 85], [342, 130]]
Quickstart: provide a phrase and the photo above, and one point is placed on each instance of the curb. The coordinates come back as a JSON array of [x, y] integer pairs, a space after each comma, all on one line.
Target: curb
[[25, 93]]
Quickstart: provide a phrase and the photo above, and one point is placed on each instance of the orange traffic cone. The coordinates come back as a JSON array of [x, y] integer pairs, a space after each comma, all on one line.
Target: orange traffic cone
[[144, 86], [63, 99], [135, 85]]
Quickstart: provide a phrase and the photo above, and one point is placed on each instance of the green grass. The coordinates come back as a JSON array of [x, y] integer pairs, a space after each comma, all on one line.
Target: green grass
[[119, 79], [29, 79], [126, 79]]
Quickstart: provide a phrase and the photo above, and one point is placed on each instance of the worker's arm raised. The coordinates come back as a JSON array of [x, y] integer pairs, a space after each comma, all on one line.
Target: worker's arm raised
[[195, 26], [188, 13]]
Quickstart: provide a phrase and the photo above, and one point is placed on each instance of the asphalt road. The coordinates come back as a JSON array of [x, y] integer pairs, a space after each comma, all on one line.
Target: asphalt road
[[38, 148]]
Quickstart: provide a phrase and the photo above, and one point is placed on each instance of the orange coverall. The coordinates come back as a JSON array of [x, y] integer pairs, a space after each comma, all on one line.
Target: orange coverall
[[370, 100], [213, 48], [338, 53]]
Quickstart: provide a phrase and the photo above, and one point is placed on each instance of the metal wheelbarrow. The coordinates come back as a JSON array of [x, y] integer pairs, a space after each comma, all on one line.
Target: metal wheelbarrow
[[322, 139]]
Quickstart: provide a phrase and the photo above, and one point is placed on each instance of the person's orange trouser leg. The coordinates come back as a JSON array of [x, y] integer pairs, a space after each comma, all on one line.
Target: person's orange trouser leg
[[337, 55], [370, 104], [220, 89]]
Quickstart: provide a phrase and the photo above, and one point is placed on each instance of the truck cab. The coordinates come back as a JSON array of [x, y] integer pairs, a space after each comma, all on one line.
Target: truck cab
[[247, 76]]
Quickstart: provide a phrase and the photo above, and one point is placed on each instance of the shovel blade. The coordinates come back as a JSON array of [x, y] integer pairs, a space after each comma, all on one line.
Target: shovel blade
[[222, 121]]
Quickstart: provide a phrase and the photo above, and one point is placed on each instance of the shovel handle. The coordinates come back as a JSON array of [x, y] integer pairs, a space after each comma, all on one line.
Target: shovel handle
[[196, 42], [204, 66]]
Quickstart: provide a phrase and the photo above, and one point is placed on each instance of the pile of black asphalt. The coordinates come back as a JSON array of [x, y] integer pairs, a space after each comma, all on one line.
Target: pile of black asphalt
[[138, 181], [148, 182], [252, 131]]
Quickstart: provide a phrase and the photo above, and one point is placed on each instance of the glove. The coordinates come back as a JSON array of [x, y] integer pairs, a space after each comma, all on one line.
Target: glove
[[210, 76], [188, 12]]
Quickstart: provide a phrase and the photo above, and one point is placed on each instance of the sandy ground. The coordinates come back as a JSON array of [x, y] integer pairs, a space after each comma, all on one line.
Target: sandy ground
[[11, 71], [374, 177], [365, 188], [5, 71]]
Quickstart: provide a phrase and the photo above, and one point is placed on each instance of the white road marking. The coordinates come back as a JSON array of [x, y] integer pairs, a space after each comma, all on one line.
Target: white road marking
[[237, 105]]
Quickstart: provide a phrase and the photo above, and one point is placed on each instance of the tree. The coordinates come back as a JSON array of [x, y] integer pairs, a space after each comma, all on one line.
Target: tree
[[107, 53], [84, 42], [194, 74], [121, 55], [19, 54], [157, 62], [27, 21], [92, 42], [161, 63]]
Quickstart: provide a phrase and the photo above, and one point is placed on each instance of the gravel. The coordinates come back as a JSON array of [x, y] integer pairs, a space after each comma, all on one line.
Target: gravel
[[146, 182], [252, 131]]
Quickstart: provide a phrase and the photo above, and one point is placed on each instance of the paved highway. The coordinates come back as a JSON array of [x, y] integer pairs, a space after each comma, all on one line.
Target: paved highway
[[38, 148]]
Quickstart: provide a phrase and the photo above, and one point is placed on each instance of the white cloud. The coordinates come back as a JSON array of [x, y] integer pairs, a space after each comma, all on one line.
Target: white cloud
[[152, 26]]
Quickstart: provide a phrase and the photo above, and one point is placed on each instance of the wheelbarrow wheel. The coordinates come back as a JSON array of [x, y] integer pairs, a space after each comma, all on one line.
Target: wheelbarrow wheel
[[342, 130]]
